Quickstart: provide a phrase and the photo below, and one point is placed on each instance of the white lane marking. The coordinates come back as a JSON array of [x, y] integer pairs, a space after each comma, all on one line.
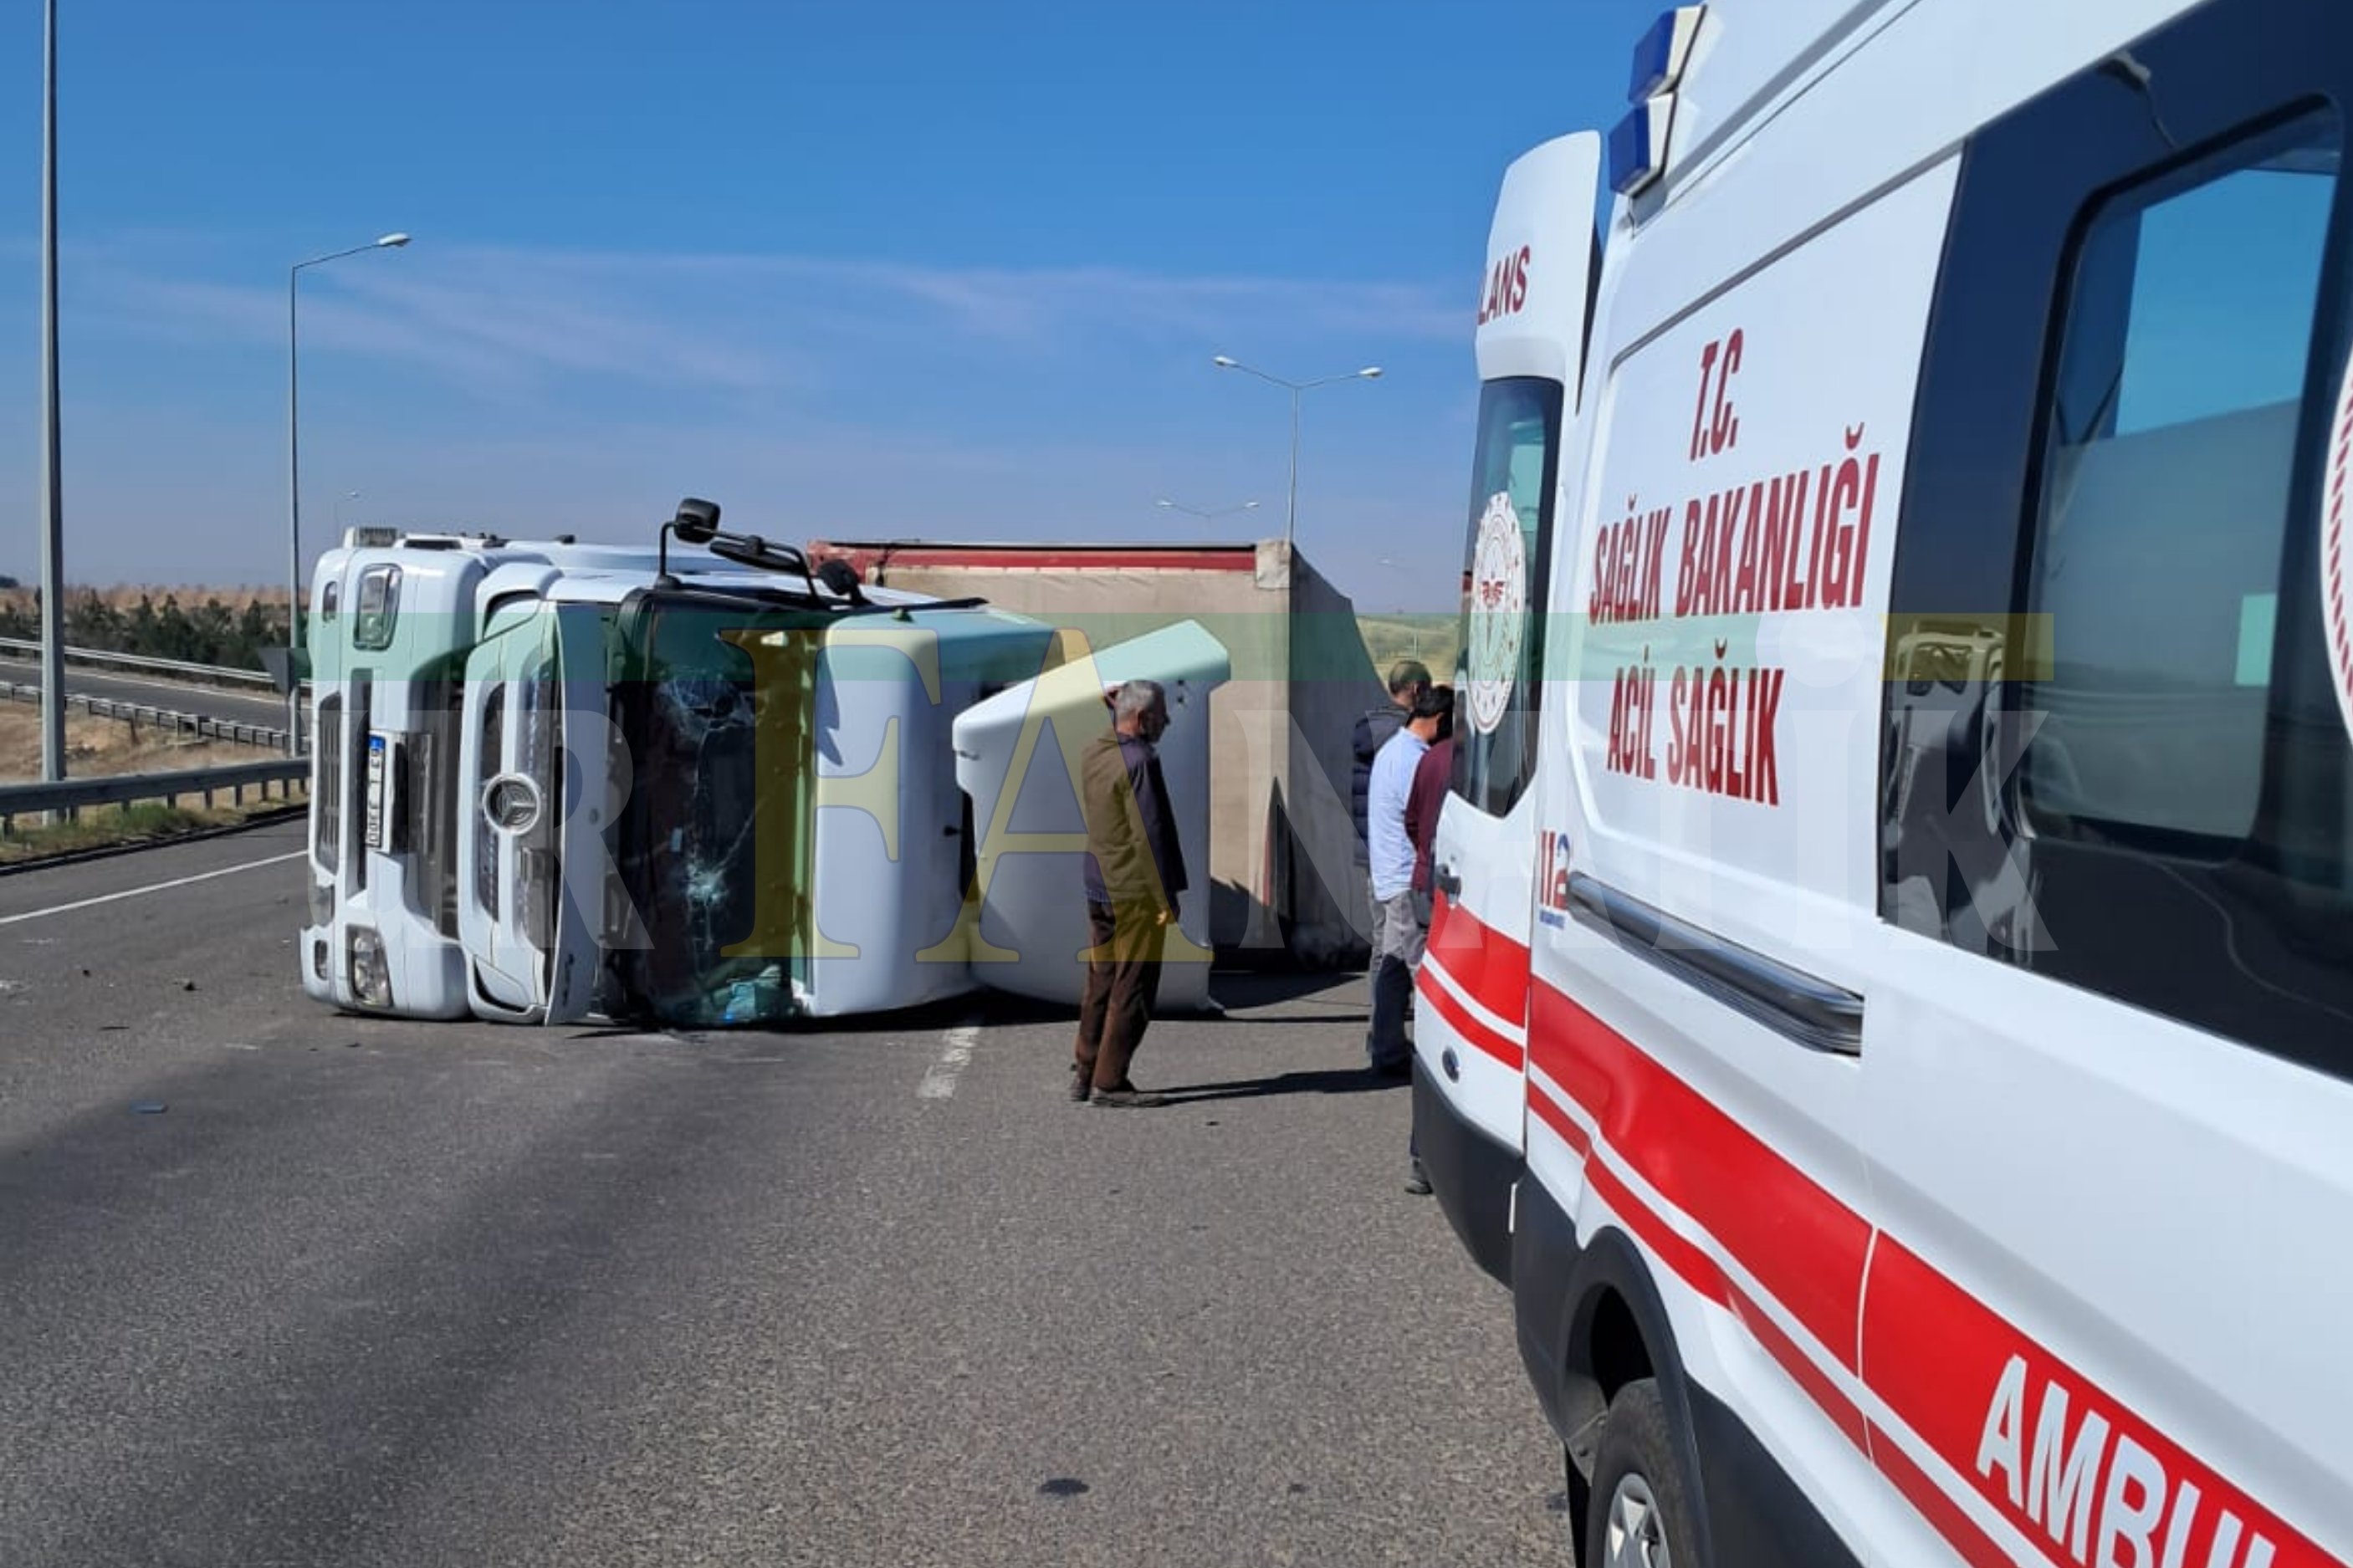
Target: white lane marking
[[150, 887], [940, 1078]]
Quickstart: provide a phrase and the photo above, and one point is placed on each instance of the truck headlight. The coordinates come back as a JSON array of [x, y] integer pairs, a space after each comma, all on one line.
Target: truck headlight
[[371, 982]]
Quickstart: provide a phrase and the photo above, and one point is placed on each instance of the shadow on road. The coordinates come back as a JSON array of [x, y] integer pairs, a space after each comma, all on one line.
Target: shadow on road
[[1243, 989], [1351, 1080]]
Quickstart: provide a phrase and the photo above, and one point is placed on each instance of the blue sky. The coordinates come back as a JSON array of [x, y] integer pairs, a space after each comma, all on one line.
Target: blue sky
[[923, 269]]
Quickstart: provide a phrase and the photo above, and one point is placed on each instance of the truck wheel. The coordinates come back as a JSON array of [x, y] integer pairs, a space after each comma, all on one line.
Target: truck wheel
[[1640, 1517]]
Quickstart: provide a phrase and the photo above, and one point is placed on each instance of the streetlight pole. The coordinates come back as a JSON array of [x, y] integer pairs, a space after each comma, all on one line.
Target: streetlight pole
[[1207, 516], [1290, 511], [294, 492], [52, 527]]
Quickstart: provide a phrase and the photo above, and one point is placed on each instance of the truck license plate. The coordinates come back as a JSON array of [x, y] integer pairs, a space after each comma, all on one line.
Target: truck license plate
[[378, 749]]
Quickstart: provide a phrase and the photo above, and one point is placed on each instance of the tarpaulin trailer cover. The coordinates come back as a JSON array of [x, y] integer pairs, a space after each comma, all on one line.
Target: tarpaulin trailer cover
[[1286, 869]]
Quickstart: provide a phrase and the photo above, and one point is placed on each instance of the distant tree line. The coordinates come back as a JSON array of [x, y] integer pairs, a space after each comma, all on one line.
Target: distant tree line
[[210, 634]]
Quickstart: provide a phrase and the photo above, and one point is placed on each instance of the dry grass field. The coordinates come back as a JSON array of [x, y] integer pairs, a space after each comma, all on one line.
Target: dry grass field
[[126, 597], [104, 746], [1432, 638]]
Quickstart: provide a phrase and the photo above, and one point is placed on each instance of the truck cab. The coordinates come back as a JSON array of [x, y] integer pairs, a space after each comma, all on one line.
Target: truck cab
[[393, 618], [695, 788]]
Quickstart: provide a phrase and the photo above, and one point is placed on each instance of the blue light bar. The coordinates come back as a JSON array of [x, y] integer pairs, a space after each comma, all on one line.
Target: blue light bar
[[1637, 145], [1659, 58]]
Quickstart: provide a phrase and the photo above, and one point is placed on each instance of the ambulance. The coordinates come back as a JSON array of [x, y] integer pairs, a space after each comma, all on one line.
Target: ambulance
[[1888, 1015]]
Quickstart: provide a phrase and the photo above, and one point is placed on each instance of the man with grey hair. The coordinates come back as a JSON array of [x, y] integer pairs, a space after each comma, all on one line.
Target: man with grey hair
[[1134, 871]]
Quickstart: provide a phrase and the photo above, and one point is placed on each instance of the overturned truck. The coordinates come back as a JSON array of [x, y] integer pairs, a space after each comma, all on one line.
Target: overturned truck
[[710, 785]]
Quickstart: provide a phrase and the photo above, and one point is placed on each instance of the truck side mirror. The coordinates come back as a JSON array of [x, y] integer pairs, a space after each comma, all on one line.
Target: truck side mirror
[[842, 579], [697, 521]]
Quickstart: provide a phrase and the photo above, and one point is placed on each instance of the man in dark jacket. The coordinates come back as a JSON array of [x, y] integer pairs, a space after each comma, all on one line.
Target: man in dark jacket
[[1134, 871], [1409, 679]]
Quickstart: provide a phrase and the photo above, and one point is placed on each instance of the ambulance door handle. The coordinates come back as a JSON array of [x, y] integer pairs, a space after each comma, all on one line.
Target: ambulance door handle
[[1805, 1008], [1447, 881]]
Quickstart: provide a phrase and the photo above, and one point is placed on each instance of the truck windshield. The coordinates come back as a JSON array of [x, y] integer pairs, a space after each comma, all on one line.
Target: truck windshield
[[701, 714]]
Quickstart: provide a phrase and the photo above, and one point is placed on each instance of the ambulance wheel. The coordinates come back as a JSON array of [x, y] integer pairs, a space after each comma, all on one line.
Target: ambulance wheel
[[1641, 1516]]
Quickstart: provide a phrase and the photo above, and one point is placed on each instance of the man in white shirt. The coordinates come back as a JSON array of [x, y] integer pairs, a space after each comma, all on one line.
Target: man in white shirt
[[1409, 679], [1396, 922]]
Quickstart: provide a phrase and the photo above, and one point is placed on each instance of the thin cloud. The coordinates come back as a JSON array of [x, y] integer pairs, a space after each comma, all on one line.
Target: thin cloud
[[514, 317], [510, 333]]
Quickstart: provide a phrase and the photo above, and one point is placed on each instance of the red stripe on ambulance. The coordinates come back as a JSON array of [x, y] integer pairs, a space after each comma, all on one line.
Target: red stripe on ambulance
[[1489, 966], [2086, 1479], [1548, 1110], [1465, 1023], [1802, 1245], [1700, 1271]]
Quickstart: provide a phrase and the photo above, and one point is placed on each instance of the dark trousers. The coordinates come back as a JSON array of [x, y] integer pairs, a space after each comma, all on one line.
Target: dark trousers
[[1123, 982], [1398, 942]]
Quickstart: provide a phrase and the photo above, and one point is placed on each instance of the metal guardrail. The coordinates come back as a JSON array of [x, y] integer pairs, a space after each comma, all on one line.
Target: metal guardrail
[[197, 726], [209, 674], [126, 789]]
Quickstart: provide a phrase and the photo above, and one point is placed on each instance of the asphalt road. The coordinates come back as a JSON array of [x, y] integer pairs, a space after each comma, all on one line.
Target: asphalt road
[[256, 707], [241, 706], [377, 1293]]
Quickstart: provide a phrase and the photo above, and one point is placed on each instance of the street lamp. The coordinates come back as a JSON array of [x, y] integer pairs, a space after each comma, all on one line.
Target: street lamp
[[1370, 373], [53, 517], [1208, 516], [294, 492]]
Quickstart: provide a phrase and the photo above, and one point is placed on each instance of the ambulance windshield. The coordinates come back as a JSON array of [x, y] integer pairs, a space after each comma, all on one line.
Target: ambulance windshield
[[1503, 571]]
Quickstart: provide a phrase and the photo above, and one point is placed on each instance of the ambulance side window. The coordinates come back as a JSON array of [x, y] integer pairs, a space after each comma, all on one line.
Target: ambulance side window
[[1506, 560], [2126, 766], [2183, 795], [2154, 572]]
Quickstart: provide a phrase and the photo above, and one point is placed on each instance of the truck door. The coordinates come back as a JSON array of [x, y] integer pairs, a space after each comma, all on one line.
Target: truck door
[[2110, 1080], [1471, 1029]]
